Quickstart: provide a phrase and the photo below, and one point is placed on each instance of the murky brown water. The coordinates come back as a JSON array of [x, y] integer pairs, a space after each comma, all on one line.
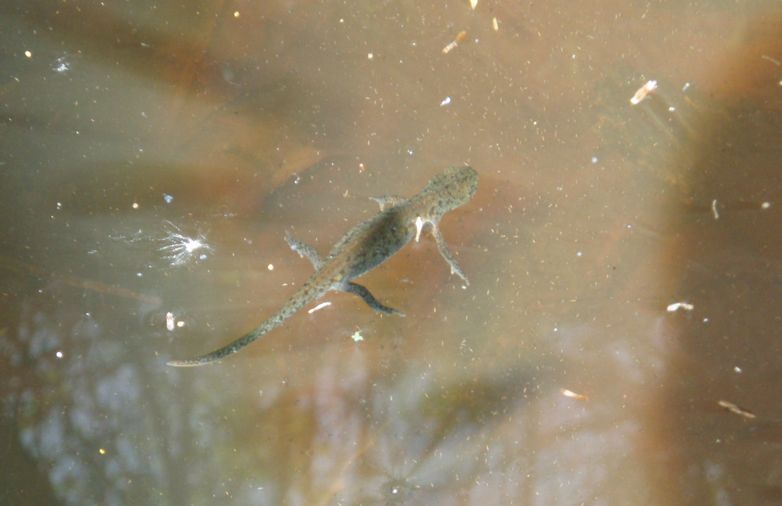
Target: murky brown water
[[153, 155]]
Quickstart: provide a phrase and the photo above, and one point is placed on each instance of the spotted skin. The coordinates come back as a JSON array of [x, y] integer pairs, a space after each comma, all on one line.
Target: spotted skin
[[365, 247]]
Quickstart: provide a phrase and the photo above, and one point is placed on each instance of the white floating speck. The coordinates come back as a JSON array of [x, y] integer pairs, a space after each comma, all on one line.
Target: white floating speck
[[672, 308], [356, 337], [737, 369], [573, 395], [765, 205], [61, 65], [643, 92], [473, 4], [28, 54], [270, 267], [445, 101], [168, 198], [714, 210], [319, 307], [59, 354], [170, 325]]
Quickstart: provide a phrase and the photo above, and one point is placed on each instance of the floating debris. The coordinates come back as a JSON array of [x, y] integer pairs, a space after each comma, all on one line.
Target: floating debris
[[356, 337], [714, 210], [61, 65], [495, 24], [672, 308], [170, 323], [178, 248], [455, 42], [643, 92], [573, 395], [445, 101], [736, 410], [473, 4], [319, 307]]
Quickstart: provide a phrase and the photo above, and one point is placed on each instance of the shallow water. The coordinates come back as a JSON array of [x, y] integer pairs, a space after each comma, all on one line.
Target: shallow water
[[153, 156]]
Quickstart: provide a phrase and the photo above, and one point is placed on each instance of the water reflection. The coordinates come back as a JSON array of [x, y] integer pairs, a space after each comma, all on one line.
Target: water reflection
[[154, 156]]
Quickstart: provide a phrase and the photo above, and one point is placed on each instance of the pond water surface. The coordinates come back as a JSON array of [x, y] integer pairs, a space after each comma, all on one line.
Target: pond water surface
[[619, 342]]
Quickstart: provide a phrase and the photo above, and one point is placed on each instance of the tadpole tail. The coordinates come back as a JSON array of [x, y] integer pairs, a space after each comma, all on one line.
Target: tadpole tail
[[304, 296]]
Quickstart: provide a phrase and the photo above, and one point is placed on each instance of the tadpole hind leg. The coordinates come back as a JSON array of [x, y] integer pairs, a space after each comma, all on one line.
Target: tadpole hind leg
[[370, 299]]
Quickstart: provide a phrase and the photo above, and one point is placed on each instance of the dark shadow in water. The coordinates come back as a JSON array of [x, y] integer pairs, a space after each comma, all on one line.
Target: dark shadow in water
[[726, 262], [415, 433]]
